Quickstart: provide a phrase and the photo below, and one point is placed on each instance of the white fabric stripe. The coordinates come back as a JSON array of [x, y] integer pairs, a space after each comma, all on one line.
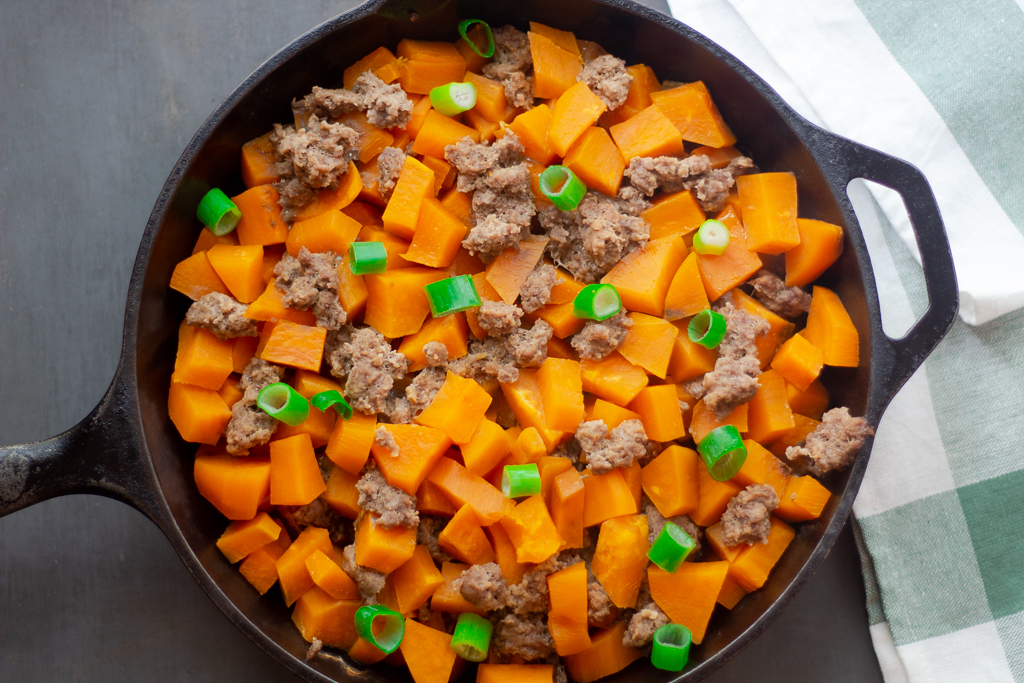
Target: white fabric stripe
[[720, 22], [851, 80], [888, 659], [968, 656]]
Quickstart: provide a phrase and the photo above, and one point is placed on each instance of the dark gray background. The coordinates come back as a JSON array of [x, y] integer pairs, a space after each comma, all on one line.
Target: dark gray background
[[97, 100]]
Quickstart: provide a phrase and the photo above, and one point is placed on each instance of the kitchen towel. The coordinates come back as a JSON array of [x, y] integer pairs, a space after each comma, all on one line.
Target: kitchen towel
[[940, 515]]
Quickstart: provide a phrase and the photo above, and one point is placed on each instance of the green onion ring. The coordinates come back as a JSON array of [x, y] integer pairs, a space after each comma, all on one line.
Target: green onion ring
[[707, 328], [464, 29], [283, 403], [390, 637], [597, 302], [452, 295], [367, 258], [711, 239], [472, 637], [218, 213], [520, 480], [671, 648], [326, 399], [452, 99], [671, 548], [723, 452], [570, 189]]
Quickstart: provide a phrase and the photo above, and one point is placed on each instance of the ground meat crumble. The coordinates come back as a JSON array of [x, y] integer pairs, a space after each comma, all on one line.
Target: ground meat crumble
[[371, 366], [619, 447], [643, 624], [484, 586], [589, 240], [389, 167], [607, 77], [599, 338], [536, 291], [486, 362], [424, 387], [833, 444], [311, 281], [502, 204], [709, 185], [386, 106], [771, 290], [386, 440], [369, 581], [314, 156], [601, 611], [395, 506], [529, 348], [427, 533], [747, 519], [525, 636], [320, 514], [498, 318], [222, 315], [249, 425], [512, 59], [733, 382]]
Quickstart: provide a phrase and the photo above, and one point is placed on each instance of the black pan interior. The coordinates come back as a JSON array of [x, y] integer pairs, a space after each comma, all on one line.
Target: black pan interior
[[627, 31]]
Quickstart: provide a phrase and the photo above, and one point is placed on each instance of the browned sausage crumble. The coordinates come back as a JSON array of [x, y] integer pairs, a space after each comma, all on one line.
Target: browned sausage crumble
[[771, 290], [833, 444], [733, 382], [222, 315], [747, 519], [249, 425]]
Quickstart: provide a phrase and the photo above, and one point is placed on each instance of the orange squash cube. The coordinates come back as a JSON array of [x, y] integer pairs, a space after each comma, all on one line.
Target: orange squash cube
[[465, 489], [531, 127], [830, 329], [244, 537], [416, 580], [457, 408], [686, 295], [486, 448], [671, 481], [439, 131], [415, 183], [761, 467], [259, 162], [802, 499], [606, 496], [689, 359], [329, 231], [567, 499], [464, 539], [261, 221], [595, 160], [524, 398], [561, 390], [382, 62], [689, 595], [291, 566], [331, 578], [199, 414], [643, 276], [576, 110], [648, 134], [383, 549], [419, 449], [299, 346], [235, 486], [613, 378], [769, 211], [195, 277], [820, 245], [605, 656], [532, 531], [428, 65], [751, 567], [690, 109], [769, 415], [450, 330], [203, 359], [621, 557], [659, 410], [649, 343], [240, 269], [713, 499], [676, 213], [294, 473], [723, 273], [332, 622], [567, 618], [554, 69], [350, 442], [438, 236]]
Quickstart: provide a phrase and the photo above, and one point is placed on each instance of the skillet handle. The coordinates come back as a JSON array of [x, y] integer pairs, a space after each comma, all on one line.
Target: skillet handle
[[100, 455], [901, 357]]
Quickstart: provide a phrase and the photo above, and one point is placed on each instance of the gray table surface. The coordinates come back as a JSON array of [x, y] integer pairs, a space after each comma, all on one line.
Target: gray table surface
[[97, 100]]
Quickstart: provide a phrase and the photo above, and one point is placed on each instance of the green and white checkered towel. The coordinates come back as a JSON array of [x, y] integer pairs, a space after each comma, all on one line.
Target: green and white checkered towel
[[941, 509]]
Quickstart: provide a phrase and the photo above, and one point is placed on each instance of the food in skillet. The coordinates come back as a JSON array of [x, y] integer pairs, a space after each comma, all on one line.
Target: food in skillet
[[496, 360]]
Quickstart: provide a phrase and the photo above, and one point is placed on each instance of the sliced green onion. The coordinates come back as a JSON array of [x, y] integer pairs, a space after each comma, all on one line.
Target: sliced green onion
[[712, 238], [671, 547], [562, 187], [325, 399], [520, 480], [597, 302], [472, 637], [723, 452], [390, 637], [367, 258], [283, 403], [671, 648], [464, 29], [707, 328], [218, 213], [453, 98], [452, 295]]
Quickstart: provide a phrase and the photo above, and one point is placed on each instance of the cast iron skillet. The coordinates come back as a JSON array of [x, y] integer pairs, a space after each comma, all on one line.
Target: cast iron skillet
[[128, 449]]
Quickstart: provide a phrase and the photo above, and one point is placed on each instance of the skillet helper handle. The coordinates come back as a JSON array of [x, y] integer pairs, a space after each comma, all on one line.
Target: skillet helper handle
[[100, 455], [905, 354]]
